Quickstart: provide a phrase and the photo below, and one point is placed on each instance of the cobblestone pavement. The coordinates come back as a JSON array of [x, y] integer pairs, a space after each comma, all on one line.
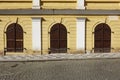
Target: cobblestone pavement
[[62, 56], [95, 69]]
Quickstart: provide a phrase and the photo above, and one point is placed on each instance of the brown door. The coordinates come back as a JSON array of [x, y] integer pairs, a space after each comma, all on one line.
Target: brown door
[[14, 36], [102, 38], [58, 39]]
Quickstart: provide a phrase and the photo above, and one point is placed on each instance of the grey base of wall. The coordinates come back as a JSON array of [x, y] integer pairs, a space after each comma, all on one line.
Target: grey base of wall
[[64, 56]]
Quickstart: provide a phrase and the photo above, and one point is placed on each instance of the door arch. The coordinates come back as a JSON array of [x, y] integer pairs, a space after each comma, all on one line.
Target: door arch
[[102, 38], [58, 38], [14, 38]]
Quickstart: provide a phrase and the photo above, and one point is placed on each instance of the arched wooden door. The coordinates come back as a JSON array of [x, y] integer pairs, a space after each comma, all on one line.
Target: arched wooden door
[[102, 38], [58, 39], [14, 35]]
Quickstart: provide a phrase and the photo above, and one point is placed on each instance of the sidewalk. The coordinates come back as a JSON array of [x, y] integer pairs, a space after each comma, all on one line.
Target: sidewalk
[[37, 57]]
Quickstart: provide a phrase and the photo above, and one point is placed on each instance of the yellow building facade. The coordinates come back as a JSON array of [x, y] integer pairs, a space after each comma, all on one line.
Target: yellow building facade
[[59, 26]]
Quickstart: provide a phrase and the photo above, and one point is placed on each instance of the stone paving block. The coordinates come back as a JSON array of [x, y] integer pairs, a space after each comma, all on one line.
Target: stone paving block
[[107, 69]]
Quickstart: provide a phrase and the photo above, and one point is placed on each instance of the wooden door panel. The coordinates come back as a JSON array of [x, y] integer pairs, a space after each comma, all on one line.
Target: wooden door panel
[[102, 38], [58, 39], [106, 43], [54, 44], [14, 36], [11, 46], [99, 44], [19, 46], [55, 34], [63, 44]]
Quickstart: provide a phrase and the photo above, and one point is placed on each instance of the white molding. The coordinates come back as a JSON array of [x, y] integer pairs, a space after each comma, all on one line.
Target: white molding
[[80, 4], [36, 4], [36, 34], [112, 18], [80, 43]]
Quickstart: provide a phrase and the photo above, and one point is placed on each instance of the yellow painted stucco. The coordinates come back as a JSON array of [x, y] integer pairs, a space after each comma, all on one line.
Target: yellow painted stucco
[[69, 21], [15, 4]]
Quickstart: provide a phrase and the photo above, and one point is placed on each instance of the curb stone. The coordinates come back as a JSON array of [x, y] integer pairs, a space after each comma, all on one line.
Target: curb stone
[[58, 57]]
